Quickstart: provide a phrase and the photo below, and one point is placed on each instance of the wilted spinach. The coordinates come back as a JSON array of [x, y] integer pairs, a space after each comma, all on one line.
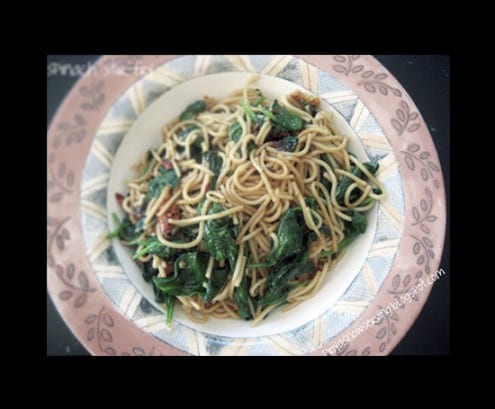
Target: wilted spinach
[[290, 234], [219, 237], [352, 230], [345, 182], [216, 282], [164, 178], [188, 276], [192, 110], [287, 144], [284, 119], [215, 163], [125, 230], [241, 299], [151, 245]]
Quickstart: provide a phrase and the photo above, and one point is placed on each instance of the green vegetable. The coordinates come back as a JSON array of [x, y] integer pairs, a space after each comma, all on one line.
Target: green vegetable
[[280, 282], [219, 237], [195, 147], [372, 166], [125, 230], [148, 270], [287, 144], [358, 222], [169, 304], [310, 109], [235, 132], [152, 245], [352, 230], [215, 163], [241, 299], [311, 202], [285, 119], [168, 300], [216, 282], [345, 182], [149, 162], [290, 235], [258, 101], [189, 272], [257, 118], [193, 109], [164, 178], [247, 109]]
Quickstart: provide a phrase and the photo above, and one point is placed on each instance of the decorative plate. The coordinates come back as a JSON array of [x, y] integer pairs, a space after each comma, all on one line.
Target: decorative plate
[[370, 312]]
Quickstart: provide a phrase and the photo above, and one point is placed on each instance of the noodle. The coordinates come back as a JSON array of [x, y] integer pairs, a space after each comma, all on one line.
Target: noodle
[[247, 205]]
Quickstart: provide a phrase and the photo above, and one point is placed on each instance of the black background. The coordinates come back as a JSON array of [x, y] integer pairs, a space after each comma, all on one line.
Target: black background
[[427, 80]]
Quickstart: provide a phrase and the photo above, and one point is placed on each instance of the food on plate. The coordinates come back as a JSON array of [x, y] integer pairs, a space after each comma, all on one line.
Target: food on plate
[[246, 205]]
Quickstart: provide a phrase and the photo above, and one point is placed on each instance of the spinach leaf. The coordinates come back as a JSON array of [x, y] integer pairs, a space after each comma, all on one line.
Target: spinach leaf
[[256, 118], [235, 132], [290, 235], [279, 282], [241, 299], [164, 178], [358, 222], [216, 282], [311, 202], [139, 226], [189, 272], [168, 300], [258, 101], [372, 166], [287, 144], [170, 304], [219, 237], [151, 245], [195, 147], [309, 108], [285, 119], [352, 230], [159, 294], [184, 133], [125, 230], [345, 182], [215, 164], [193, 109], [369, 199], [148, 270]]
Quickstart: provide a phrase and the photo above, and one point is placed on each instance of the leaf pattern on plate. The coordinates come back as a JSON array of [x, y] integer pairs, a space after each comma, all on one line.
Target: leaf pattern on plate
[[71, 132], [416, 159], [345, 64], [387, 328], [404, 118], [422, 214], [93, 95], [374, 82], [60, 181], [78, 292], [57, 236], [100, 327]]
